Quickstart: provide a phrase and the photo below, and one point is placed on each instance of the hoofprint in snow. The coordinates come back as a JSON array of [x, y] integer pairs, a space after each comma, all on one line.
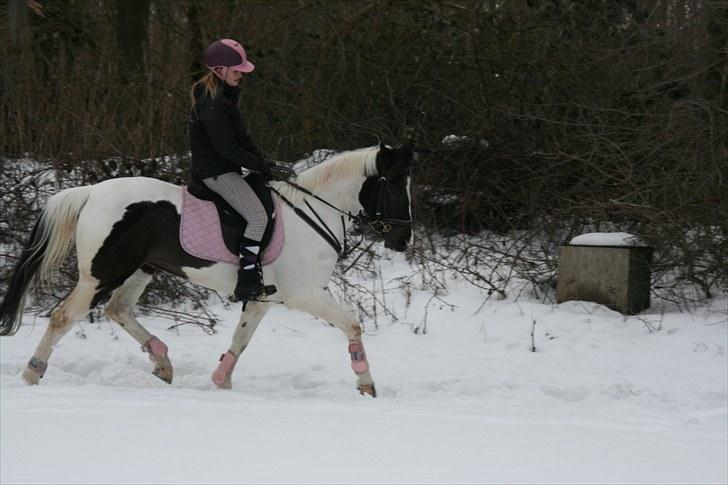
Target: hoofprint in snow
[[604, 399]]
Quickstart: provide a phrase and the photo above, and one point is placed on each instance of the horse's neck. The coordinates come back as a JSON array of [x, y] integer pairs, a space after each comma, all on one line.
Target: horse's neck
[[344, 195], [338, 182]]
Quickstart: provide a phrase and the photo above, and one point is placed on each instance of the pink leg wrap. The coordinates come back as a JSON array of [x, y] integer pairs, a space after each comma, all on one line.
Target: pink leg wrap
[[225, 368], [358, 357], [155, 347]]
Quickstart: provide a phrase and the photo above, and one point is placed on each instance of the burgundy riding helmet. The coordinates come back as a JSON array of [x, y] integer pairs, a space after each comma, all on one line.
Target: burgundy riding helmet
[[227, 53]]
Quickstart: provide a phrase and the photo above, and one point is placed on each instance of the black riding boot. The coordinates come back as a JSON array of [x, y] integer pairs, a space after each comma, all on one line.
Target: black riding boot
[[250, 275]]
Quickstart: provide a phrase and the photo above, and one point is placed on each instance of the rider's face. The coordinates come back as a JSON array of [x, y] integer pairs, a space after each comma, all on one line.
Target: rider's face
[[232, 77]]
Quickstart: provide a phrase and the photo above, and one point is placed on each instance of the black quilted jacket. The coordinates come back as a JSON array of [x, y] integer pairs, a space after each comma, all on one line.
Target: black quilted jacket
[[218, 139]]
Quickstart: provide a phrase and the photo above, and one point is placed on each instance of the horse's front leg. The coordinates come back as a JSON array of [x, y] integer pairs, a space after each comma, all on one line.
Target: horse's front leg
[[249, 319], [322, 305]]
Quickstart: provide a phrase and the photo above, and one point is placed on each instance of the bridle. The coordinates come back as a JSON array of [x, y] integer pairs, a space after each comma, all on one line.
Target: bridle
[[377, 223]]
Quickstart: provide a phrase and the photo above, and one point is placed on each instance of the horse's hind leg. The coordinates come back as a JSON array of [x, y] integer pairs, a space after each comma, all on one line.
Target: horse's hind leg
[[121, 309], [249, 320], [73, 308]]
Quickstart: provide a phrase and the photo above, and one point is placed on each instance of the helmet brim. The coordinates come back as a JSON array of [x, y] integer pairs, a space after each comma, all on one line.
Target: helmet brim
[[245, 67]]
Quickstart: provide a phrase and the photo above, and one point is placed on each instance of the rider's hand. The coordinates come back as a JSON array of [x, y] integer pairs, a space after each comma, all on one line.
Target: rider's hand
[[265, 170], [281, 171]]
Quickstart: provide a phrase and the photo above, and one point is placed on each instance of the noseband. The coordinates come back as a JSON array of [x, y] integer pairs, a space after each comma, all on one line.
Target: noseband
[[378, 223]]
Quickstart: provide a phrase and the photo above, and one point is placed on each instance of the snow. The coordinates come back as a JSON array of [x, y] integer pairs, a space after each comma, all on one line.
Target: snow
[[605, 398], [314, 159], [606, 239], [451, 139], [458, 139]]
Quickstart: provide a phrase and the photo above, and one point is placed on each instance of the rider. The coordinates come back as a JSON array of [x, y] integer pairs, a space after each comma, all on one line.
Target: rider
[[223, 153]]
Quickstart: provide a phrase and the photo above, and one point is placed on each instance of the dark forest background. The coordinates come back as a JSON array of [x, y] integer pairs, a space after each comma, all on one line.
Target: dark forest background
[[571, 115]]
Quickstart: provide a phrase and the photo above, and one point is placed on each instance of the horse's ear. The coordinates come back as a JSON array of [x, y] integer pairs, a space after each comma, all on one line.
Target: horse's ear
[[403, 155], [408, 142], [385, 156], [408, 151]]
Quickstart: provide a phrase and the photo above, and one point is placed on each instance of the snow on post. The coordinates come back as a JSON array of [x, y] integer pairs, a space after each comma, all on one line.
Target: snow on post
[[608, 268]]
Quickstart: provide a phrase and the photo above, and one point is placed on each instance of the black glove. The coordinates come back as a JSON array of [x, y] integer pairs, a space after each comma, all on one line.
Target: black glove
[[281, 171], [266, 170]]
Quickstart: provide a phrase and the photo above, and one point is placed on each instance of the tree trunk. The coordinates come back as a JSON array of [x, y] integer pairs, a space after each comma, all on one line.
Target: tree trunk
[[17, 21], [132, 22], [717, 75], [195, 46]]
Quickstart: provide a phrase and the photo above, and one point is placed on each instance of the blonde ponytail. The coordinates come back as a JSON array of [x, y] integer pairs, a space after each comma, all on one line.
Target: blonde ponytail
[[209, 80]]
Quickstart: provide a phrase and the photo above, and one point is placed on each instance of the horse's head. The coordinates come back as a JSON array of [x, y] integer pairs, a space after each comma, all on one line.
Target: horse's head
[[386, 196]]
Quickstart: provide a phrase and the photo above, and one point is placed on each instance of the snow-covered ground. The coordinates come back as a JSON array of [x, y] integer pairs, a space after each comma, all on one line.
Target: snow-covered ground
[[604, 399]]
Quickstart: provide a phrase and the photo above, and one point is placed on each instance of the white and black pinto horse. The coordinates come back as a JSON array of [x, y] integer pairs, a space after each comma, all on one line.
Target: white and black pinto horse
[[126, 229]]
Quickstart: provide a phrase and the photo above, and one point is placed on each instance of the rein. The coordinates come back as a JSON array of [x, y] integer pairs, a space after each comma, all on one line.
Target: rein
[[377, 224], [323, 230]]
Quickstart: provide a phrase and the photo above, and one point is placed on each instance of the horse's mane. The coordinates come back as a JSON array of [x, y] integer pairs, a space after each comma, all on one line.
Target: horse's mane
[[343, 165]]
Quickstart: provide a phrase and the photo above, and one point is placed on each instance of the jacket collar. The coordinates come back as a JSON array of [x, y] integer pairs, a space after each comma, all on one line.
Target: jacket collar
[[230, 92]]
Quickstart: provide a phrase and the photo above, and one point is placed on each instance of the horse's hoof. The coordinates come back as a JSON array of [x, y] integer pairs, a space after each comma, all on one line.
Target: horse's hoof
[[31, 377], [226, 384], [162, 366], [164, 373], [35, 370], [367, 390]]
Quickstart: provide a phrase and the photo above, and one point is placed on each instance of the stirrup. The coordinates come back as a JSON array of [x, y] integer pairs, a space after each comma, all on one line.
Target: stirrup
[[250, 286], [266, 291]]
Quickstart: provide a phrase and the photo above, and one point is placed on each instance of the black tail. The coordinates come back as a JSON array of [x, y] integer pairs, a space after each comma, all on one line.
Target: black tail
[[24, 273]]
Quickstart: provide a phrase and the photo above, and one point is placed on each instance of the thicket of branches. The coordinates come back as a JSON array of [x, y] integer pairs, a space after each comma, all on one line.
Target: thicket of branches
[[569, 115]]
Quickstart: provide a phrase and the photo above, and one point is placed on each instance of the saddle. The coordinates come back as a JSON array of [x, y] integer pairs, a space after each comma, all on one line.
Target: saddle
[[211, 229]]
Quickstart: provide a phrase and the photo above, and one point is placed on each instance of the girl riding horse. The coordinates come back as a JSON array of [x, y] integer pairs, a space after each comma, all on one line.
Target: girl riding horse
[[223, 153], [126, 229]]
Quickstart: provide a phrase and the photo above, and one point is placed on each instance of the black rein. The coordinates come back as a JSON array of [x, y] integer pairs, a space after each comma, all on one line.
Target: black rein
[[377, 224], [325, 232]]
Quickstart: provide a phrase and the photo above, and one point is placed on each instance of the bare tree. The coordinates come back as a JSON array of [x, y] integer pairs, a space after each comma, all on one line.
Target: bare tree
[[131, 25]]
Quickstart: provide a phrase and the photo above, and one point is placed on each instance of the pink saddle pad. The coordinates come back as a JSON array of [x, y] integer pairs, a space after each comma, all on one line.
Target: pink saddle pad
[[200, 233]]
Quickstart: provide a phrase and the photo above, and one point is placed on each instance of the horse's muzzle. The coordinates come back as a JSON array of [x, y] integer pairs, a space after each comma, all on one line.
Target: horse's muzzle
[[397, 239]]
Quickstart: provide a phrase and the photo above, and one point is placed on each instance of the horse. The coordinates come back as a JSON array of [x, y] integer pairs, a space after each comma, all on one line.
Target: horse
[[127, 229]]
